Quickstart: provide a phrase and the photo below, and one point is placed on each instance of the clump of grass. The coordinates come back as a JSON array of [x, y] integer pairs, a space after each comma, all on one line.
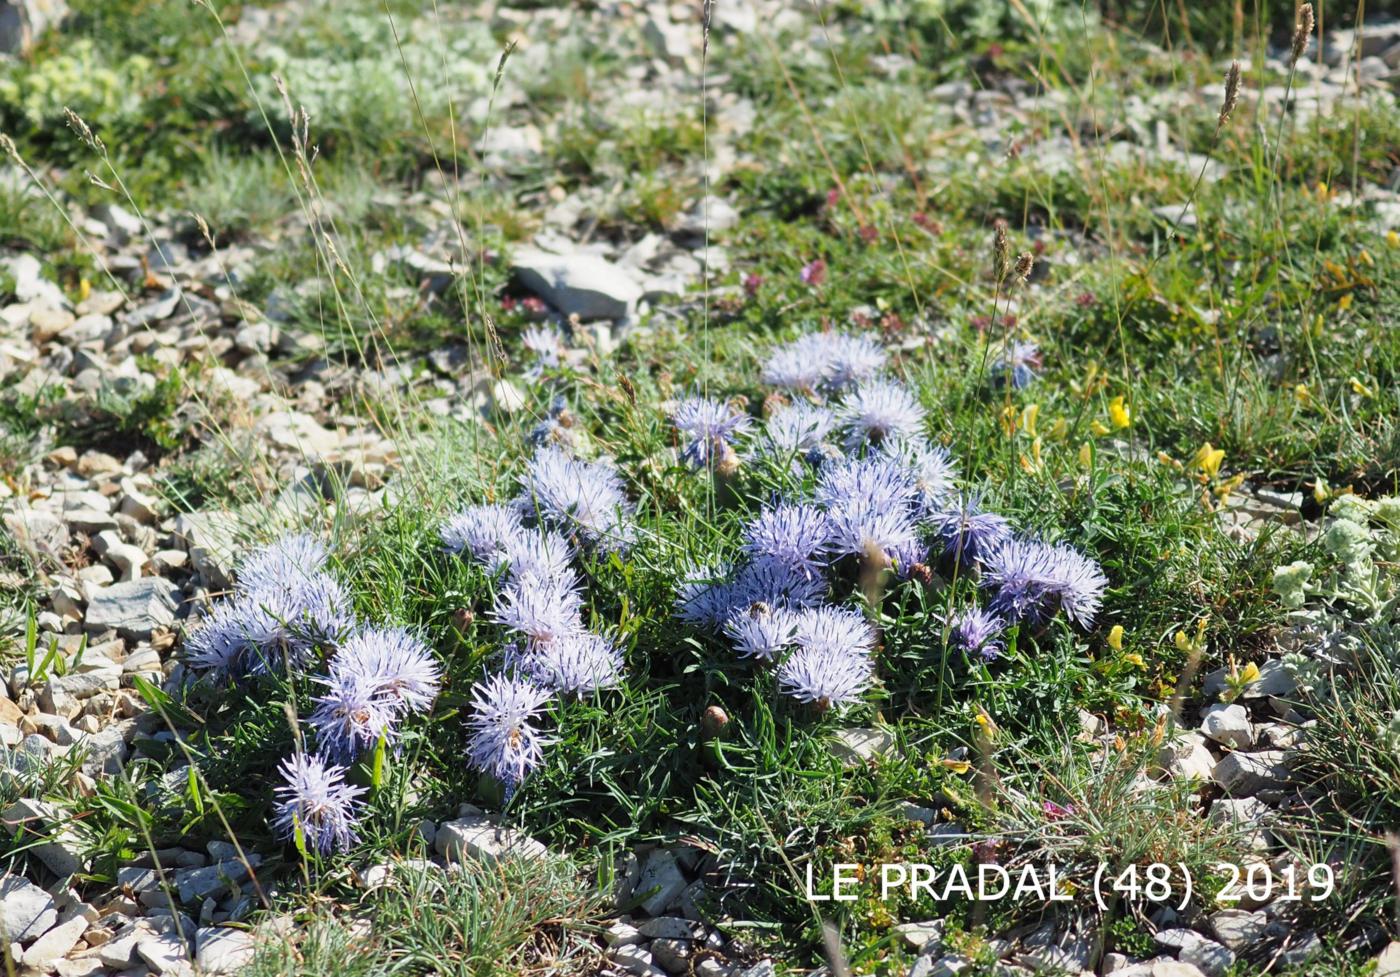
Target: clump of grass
[[519, 916]]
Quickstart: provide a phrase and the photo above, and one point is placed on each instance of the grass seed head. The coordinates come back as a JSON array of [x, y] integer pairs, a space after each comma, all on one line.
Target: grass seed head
[[1001, 252], [1232, 93], [1302, 30]]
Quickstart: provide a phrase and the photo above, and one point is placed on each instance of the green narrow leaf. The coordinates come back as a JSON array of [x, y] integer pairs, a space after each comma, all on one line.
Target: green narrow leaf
[[377, 770]]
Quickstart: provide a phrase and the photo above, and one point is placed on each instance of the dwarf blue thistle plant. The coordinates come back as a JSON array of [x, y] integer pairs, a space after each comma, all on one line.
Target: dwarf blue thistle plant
[[771, 582], [1019, 361], [543, 341], [351, 716], [281, 562], [705, 596], [877, 482], [823, 361], [708, 427], [978, 632], [835, 628], [824, 676], [283, 607], [796, 536], [796, 430], [883, 536], [761, 631], [933, 470], [879, 410], [481, 532], [541, 610], [314, 799], [1032, 580], [968, 535], [582, 500], [577, 663], [500, 741], [540, 554], [396, 664]]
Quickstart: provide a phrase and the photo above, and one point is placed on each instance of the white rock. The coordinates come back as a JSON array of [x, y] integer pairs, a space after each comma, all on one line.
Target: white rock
[[1186, 757], [916, 936], [165, 954], [475, 837], [59, 849], [136, 609], [55, 943], [298, 432], [121, 223], [857, 746], [635, 960], [212, 880], [39, 531], [1228, 725], [577, 284], [1205, 955], [673, 956], [1238, 928], [672, 928], [1388, 962], [26, 911], [223, 951], [1245, 774], [1273, 680], [661, 883], [622, 934], [211, 539]]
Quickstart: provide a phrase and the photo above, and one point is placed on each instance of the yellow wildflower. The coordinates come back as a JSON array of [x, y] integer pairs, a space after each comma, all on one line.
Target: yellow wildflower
[[1119, 413], [1115, 637], [1086, 455], [1208, 458], [1098, 427], [1028, 417]]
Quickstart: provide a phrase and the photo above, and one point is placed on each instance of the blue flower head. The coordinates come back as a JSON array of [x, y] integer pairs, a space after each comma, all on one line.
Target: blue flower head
[[1020, 360], [796, 430], [539, 554], [582, 500], [705, 596], [761, 631], [776, 584], [541, 610], [796, 536], [843, 629], [1033, 579], [500, 739], [977, 632], [879, 410], [576, 664], [396, 665], [351, 716], [968, 534], [481, 532], [933, 469], [880, 536], [823, 361], [708, 426], [826, 677], [543, 342], [314, 798], [282, 563], [279, 613], [876, 482]]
